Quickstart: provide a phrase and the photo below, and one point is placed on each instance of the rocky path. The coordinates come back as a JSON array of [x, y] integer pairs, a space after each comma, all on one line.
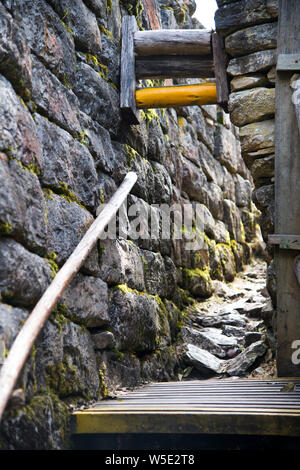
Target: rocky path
[[228, 335]]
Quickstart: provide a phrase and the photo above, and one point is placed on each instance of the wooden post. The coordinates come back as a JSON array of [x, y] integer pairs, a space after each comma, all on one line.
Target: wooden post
[[175, 96], [24, 341], [173, 41], [127, 80], [287, 198], [220, 66], [174, 67]]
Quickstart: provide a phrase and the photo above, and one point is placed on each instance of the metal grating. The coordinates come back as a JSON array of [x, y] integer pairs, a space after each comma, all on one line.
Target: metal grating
[[214, 406]]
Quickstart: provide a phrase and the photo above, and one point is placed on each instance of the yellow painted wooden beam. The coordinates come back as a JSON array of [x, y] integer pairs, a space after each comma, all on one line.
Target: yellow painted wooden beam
[[174, 96]]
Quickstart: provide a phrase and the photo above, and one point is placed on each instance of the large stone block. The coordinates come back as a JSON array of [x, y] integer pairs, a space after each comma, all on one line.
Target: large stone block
[[97, 98], [67, 164], [118, 370], [227, 149], [81, 22], [242, 192], [244, 82], [67, 223], [22, 206], [188, 140], [23, 276], [47, 37], [65, 360], [254, 39], [256, 62], [54, 99], [156, 142], [262, 170], [253, 105], [15, 61], [121, 263], [233, 16], [193, 181], [98, 141], [17, 129], [138, 321], [155, 273], [11, 320], [162, 185], [232, 220], [257, 136], [85, 301], [210, 166]]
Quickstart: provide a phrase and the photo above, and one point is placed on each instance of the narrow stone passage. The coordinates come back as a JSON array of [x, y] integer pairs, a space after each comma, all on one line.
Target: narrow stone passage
[[229, 333]]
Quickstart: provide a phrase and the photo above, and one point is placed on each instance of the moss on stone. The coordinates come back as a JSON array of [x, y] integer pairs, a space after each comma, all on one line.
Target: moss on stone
[[105, 31], [62, 378], [50, 259], [59, 316], [5, 229], [131, 155], [103, 390]]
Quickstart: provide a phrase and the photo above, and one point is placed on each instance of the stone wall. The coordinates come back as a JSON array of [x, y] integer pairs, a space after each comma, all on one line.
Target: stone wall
[[64, 150], [250, 31]]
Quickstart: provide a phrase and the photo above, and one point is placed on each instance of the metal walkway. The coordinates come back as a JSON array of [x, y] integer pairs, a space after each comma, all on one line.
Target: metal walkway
[[211, 407]]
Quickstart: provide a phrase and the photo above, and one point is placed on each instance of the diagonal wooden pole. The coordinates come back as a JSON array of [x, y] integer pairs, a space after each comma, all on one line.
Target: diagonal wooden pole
[[24, 341]]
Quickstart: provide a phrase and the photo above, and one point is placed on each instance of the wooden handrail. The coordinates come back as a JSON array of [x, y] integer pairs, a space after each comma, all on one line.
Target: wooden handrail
[[24, 341]]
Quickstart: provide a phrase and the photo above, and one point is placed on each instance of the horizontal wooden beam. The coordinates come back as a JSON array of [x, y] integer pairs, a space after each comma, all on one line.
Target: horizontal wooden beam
[[288, 242], [174, 67], [176, 96], [173, 41]]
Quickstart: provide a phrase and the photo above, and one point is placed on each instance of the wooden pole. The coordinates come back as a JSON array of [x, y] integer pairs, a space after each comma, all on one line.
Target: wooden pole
[[287, 202], [174, 67], [174, 96], [127, 78], [33, 325], [173, 41]]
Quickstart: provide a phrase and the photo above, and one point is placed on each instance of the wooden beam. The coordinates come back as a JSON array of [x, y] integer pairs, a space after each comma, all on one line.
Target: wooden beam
[[287, 201], [176, 96], [127, 80], [174, 67], [288, 242], [173, 41], [220, 66]]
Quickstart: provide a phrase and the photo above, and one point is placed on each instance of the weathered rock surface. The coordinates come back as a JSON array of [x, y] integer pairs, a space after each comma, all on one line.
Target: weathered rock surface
[[18, 134], [256, 62], [67, 164], [235, 15], [67, 223], [256, 136], [11, 320], [254, 39], [252, 105], [47, 37], [15, 61], [241, 363], [82, 24], [23, 276], [103, 340], [22, 206], [121, 261], [54, 99], [86, 301], [244, 82], [139, 323], [203, 361]]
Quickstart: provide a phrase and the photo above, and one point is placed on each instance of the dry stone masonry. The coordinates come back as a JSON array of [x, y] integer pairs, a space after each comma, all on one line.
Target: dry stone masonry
[[64, 149]]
